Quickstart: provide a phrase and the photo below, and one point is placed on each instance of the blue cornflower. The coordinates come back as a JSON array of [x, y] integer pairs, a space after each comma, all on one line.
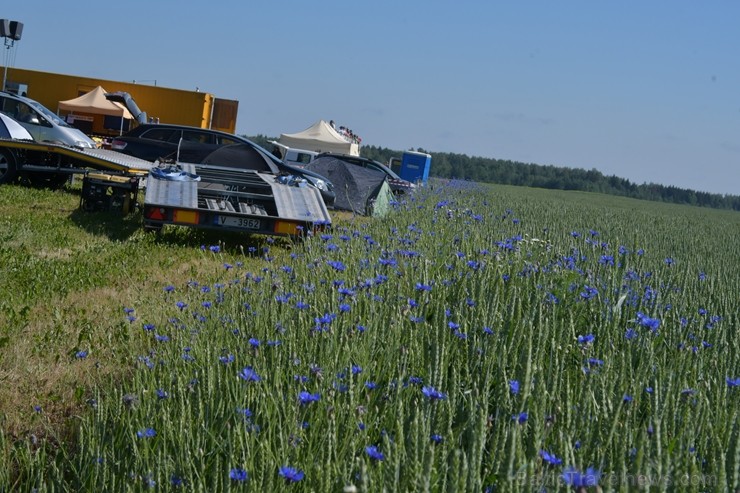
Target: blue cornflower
[[356, 369], [488, 331], [595, 362], [433, 394], [415, 380], [307, 398], [388, 261], [81, 354], [521, 418], [645, 321], [627, 398], [161, 338], [577, 480], [244, 412], [249, 375], [586, 339], [238, 474], [374, 453], [290, 474], [589, 292], [550, 459], [337, 265], [423, 287], [437, 439], [181, 305], [146, 433], [514, 386], [370, 385], [176, 480], [732, 382], [162, 394], [607, 260], [148, 327], [169, 288], [630, 334], [229, 358], [255, 343]]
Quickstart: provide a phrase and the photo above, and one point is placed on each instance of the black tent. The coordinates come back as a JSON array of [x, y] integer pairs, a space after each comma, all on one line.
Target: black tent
[[360, 190]]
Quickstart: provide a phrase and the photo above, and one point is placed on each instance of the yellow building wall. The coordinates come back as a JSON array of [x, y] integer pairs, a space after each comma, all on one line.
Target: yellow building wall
[[168, 105]]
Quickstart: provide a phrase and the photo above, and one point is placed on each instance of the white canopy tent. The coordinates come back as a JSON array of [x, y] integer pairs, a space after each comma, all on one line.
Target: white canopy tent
[[94, 102], [320, 137]]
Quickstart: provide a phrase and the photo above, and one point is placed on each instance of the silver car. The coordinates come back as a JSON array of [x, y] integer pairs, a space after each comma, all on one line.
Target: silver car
[[42, 123]]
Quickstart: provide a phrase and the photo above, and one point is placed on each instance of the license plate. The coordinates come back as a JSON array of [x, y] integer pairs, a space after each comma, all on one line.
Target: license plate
[[238, 222]]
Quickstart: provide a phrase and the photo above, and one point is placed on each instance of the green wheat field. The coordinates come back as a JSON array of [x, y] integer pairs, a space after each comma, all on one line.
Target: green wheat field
[[478, 338]]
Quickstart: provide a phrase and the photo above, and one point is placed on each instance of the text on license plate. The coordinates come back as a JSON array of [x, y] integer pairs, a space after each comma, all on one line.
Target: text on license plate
[[238, 222]]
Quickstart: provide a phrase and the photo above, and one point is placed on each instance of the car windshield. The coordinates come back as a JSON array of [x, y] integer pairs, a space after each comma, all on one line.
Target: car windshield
[[47, 113]]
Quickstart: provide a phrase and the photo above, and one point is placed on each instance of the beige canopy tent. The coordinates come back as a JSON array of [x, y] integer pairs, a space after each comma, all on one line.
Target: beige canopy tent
[[320, 137], [94, 102]]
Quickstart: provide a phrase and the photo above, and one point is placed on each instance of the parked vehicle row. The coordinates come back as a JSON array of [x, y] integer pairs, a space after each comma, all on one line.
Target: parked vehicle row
[[186, 144]]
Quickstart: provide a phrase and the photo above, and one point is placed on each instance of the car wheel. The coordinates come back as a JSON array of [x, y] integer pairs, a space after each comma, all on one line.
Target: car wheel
[[8, 170]]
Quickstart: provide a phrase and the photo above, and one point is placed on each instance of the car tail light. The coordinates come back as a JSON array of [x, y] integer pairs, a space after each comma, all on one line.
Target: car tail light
[[117, 145]]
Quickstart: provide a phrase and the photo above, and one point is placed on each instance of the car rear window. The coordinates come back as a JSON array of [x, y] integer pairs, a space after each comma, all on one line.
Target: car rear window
[[163, 134], [200, 137], [226, 141]]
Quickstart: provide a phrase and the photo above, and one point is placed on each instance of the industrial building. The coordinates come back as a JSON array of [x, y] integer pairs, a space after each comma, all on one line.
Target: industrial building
[[165, 105]]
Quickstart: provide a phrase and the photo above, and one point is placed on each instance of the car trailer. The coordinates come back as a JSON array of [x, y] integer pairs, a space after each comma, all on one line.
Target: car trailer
[[230, 199]]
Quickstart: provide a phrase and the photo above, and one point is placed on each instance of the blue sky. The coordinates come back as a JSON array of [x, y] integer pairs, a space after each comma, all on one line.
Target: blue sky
[[648, 91]]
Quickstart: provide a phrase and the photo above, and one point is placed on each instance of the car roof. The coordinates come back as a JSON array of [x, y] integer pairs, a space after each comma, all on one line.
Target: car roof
[[146, 126]]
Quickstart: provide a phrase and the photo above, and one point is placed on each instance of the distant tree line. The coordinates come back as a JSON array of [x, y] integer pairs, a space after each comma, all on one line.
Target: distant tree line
[[506, 172]]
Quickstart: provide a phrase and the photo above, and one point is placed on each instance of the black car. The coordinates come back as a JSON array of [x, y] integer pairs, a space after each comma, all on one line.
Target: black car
[[182, 143], [398, 185]]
